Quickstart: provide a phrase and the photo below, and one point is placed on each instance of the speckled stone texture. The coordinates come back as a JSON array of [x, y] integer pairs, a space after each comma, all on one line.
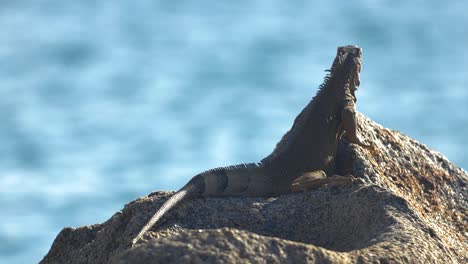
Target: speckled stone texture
[[411, 207]]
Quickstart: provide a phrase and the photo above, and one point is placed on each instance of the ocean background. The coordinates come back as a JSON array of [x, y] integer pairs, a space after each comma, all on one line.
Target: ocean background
[[101, 103]]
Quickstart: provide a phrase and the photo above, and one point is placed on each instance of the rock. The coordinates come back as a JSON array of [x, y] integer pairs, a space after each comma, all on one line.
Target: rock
[[412, 206]]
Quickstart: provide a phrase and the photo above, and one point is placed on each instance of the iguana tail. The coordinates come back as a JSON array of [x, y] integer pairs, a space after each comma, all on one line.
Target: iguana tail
[[192, 189], [239, 180]]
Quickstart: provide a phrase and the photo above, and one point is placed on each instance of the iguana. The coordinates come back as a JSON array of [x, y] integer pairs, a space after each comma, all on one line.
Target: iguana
[[305, 155]]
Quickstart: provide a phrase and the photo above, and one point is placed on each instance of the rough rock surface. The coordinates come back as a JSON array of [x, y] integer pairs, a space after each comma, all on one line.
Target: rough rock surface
[[413, 207]]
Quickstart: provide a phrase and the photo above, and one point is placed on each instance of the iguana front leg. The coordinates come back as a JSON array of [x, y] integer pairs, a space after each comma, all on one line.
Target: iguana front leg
[[316, 179], [349, 125]]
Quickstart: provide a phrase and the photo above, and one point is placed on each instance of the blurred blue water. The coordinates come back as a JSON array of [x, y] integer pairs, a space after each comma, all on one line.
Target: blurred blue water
[[104, 102]]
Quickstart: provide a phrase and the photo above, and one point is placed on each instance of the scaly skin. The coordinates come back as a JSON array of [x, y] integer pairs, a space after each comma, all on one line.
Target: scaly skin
[[304, 156]]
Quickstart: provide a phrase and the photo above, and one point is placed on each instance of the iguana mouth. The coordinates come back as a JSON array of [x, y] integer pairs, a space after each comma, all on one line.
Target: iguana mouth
[[355, 71], [356, 80]]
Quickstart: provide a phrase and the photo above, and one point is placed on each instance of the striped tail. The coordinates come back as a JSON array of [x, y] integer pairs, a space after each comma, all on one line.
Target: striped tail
[[193, 188], [238, 180]]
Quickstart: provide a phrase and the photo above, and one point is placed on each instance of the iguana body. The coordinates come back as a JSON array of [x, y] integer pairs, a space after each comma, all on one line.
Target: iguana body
[[304, 156]]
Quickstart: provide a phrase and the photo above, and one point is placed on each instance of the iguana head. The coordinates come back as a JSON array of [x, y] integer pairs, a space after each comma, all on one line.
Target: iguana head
[[348, 65]]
